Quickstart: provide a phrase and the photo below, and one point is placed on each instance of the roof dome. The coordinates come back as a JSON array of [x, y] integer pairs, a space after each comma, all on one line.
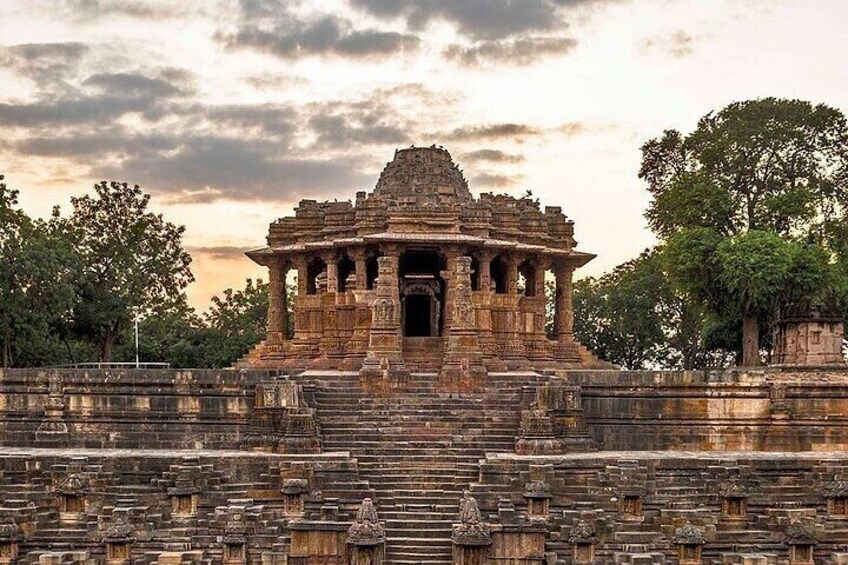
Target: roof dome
[[423, 175]]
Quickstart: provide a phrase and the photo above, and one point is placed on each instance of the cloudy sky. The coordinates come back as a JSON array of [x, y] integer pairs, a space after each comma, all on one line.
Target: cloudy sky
[[230, 111]]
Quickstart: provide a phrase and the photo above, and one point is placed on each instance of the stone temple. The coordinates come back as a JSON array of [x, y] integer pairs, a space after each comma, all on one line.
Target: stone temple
[[420, 275], [416, 407]]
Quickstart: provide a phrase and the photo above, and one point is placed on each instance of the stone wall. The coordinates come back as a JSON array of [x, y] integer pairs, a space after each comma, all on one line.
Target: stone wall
[[179, 467], [228, 495], [628, 505], [128, 408], [771, 409]]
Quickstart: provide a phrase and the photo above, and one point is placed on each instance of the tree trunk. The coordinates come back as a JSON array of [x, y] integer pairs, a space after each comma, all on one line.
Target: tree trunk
[[8, 361], [69, 350], [106, 346], [750, 341]]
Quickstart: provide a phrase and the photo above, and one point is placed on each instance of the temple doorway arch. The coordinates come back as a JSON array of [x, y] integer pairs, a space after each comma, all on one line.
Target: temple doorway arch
[[421, 293]]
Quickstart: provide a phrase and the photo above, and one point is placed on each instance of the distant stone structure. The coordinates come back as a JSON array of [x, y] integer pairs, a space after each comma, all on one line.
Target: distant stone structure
[[419, 274], [808, 336], [419, 417]]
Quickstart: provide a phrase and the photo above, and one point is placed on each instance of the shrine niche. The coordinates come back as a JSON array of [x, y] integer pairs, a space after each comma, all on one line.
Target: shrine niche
[[423, 218]]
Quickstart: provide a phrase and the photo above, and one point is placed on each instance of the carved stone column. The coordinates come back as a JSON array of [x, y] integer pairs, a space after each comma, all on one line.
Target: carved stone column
[[385, 352], [53, 431], [360, 259], [451, 255], [357, 344], [514, 353], [472, 538], [366, 538], [330, 259], [564, 315], [301, 263], [10, 539], [463, 362], [483, 306], [485, 276], [512, 274], [277, 295]]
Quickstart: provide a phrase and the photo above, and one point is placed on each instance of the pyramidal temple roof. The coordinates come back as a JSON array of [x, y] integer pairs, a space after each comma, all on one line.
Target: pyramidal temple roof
[[423, 175]]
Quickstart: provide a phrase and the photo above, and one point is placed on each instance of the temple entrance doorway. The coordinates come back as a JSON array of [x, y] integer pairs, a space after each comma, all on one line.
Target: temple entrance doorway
[[421, 293], [417, 316]]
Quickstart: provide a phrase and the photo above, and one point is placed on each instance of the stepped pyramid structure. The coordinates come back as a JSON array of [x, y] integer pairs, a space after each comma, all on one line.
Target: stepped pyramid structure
[[413, 408]]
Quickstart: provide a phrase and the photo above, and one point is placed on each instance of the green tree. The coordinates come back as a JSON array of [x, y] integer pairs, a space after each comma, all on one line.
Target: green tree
[[769, 166], [37, 280], [175, 335], [236, 322], [133, 261], [633, 317]]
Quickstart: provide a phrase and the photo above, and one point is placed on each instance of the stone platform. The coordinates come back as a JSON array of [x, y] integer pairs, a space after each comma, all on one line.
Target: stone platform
[[565, 467]]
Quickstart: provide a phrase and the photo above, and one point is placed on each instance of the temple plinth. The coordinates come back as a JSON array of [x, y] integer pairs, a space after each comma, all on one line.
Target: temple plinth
[[420, 275]]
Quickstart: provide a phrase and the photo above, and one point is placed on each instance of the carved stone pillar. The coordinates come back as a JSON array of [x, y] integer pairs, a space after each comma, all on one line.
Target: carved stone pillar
[[331, 261], [277, 295], [10, 539], [512, 274], [451, 255], [385, 352], [472, 538], [463, 364], [301, 317], [360, 259], [53, 431], [485, 276], [301, 263], [540, 267], [564, 314], [514, 352], [483, 306], [366, 538]]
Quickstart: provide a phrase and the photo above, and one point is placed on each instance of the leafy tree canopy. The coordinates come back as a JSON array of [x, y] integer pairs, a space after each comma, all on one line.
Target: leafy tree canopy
[[635, 318], [752, 208], [38, 275], [132, 260], [771, 165]]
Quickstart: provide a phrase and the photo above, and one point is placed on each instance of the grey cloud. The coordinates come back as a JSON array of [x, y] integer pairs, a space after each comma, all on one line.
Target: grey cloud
[[209, 168], [86, 145], [492, 156], [223, 252], [490, 131], [287, 36], [275, 82], [102, 109], [338, 130], [478, 19], [493, 180], [132, 8], [675, 44], [108, 96], [521, 51], [133, 85], [271, 119], [48, 64]]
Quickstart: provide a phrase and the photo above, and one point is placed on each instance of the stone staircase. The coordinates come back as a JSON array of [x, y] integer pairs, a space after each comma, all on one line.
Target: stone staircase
[[418, 448], [423, 354]]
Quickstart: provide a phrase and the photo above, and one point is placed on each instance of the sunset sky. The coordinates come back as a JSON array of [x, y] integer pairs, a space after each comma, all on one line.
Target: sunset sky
[[229, 112]]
